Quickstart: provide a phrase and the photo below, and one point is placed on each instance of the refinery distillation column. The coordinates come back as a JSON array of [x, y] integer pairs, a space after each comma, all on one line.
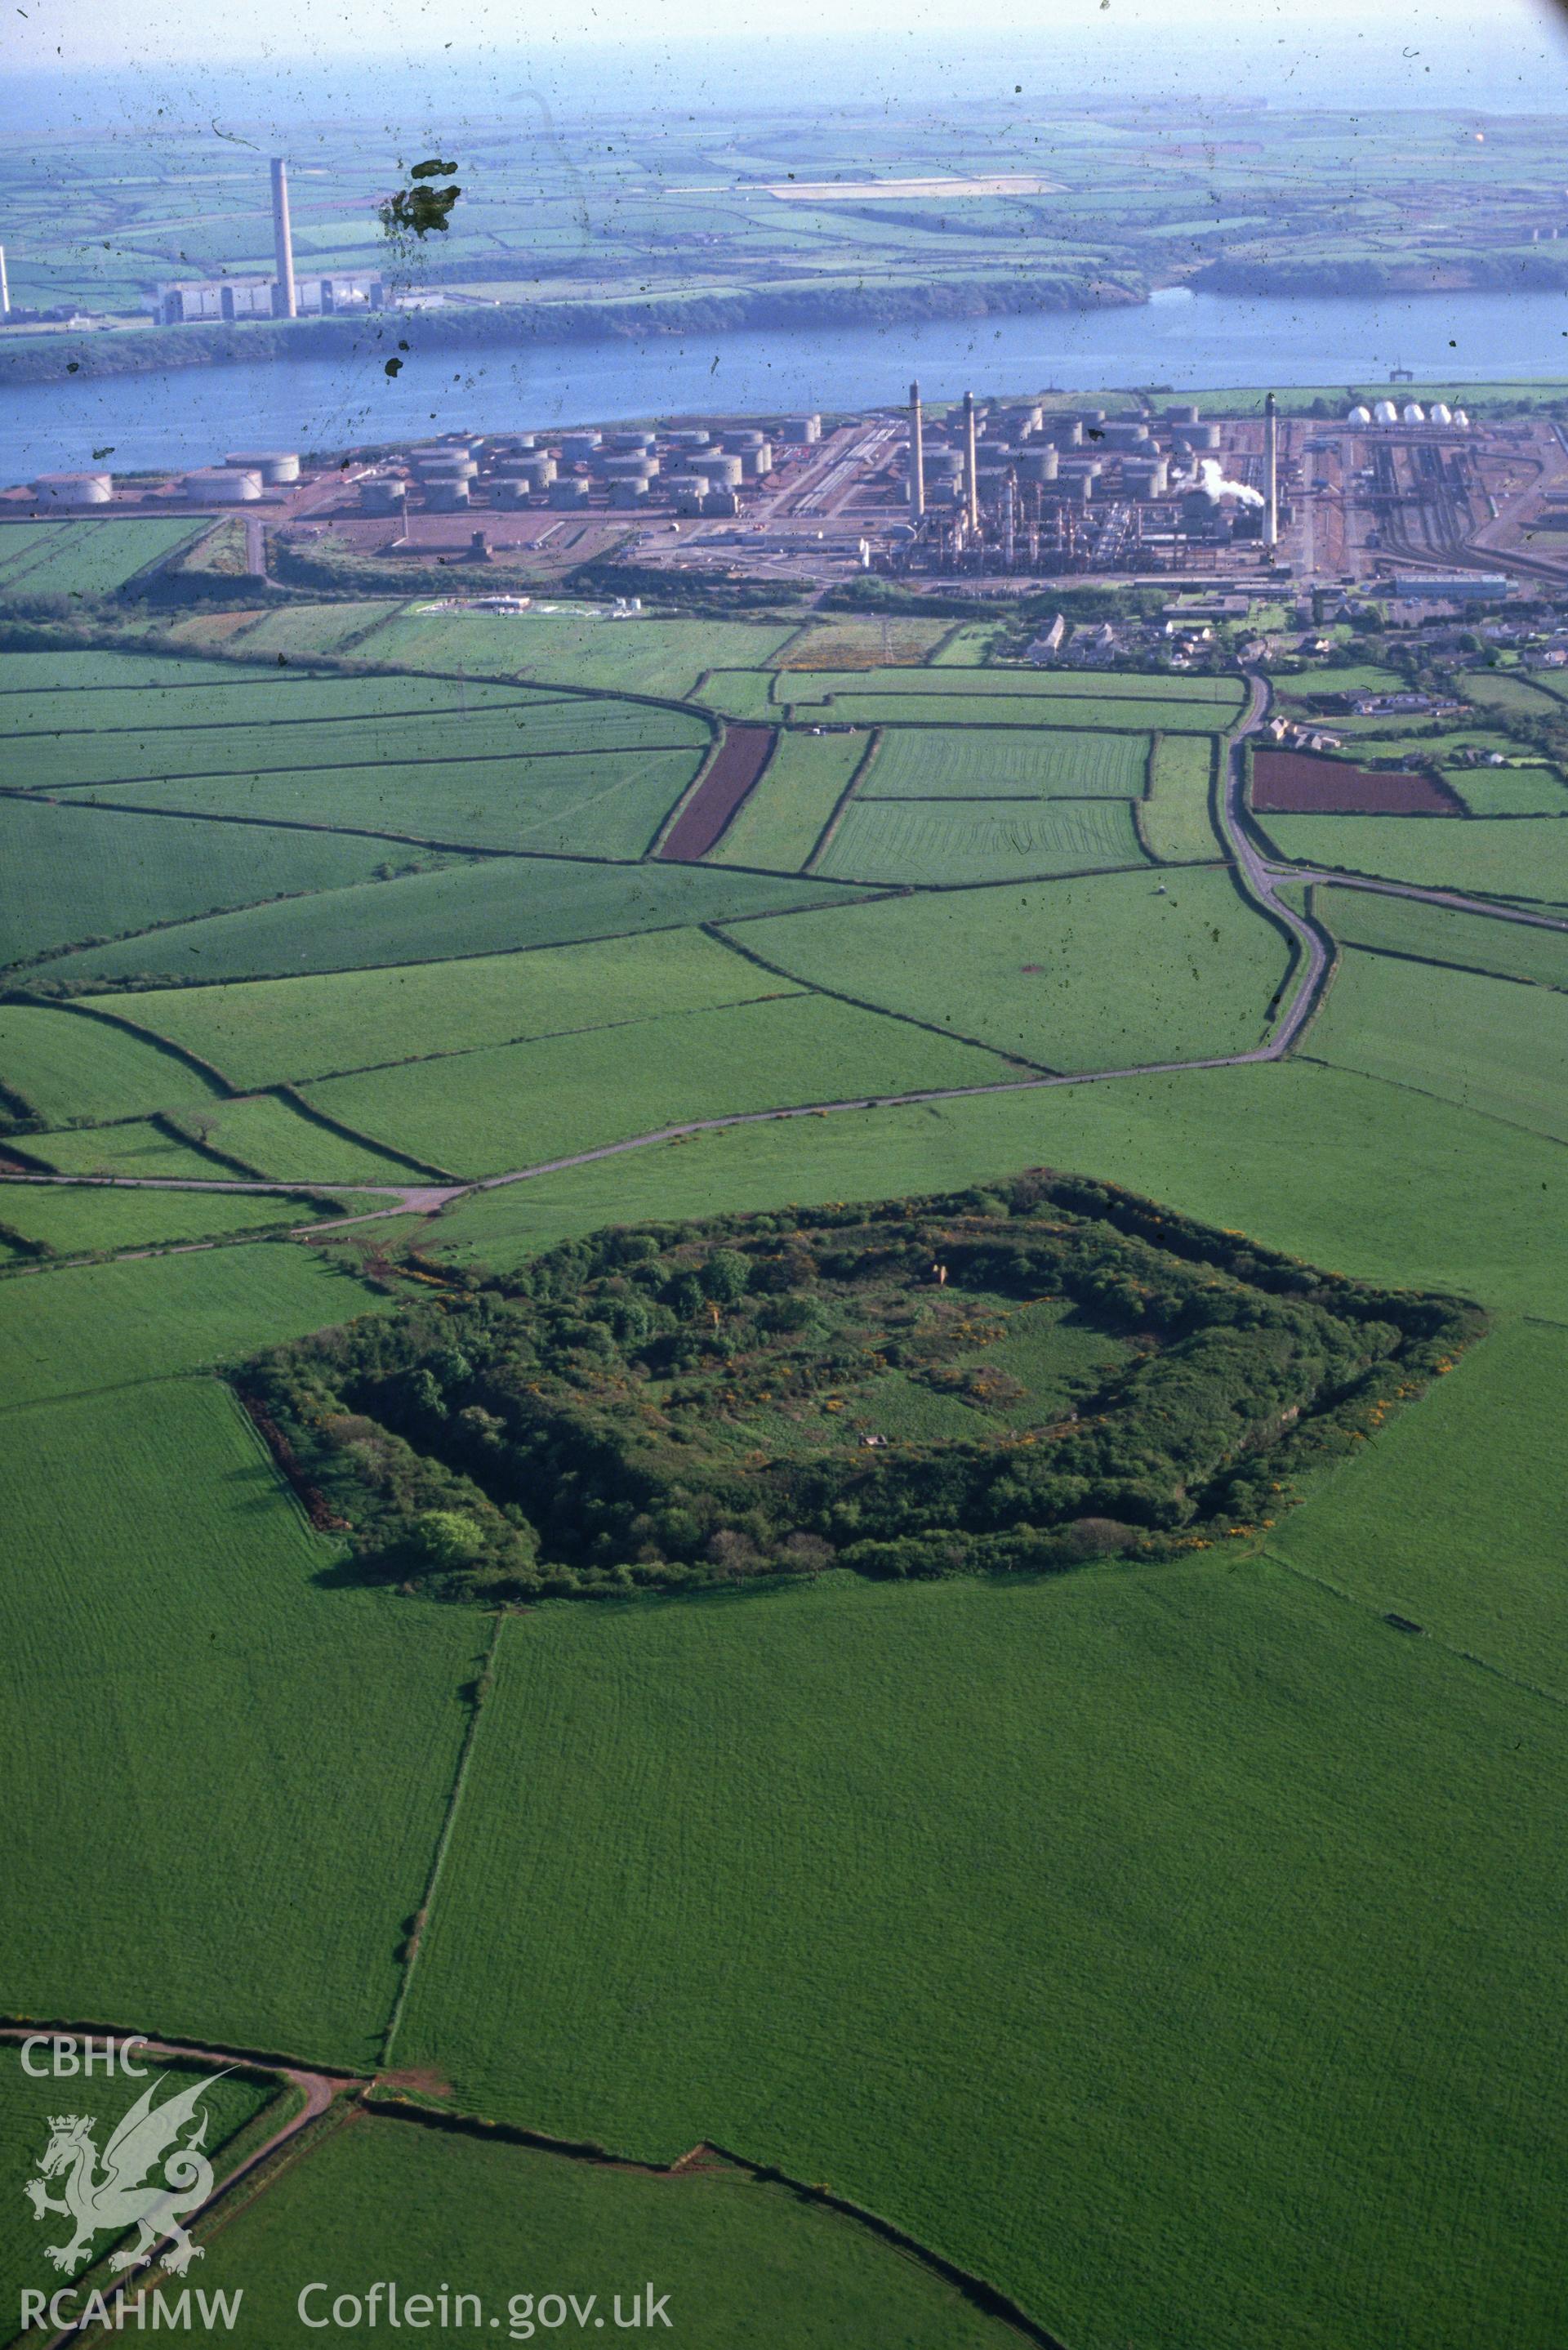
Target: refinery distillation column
[[971, 468], [283, 302], [917, 457], [1270, 472]]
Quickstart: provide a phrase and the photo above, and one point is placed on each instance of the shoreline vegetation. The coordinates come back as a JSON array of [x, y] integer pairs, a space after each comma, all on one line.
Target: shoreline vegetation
[[99, 353]]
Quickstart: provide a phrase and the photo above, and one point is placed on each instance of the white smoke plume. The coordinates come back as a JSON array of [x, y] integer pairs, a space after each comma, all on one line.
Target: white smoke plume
[[1211, 477]]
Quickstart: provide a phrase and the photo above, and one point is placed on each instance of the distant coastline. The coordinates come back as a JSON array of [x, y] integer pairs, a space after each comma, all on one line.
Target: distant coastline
[[389, 334]]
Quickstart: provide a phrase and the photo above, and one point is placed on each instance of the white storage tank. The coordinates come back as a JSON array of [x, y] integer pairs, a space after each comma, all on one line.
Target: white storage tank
[[575, 446], [1359, 415], [1414, 413], [275, 466], [1385, 414], [221, 486], [447, 492], [75, 488], [630, 490], [756, 463], [383, 497], [1440, 412], [569, 494]]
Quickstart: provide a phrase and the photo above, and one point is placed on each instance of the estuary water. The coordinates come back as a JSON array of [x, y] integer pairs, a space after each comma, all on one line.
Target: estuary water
[[1188, 341]]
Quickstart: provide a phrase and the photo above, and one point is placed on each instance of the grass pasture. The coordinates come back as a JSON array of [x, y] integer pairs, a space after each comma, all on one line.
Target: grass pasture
[[517, 1105], [82, 558], [73, 1221], [62, 671], [582, 648], [79, 873], [1220, 698], [134, 1148], [1024, 969], [1498, 857], [746, 2264], [101, 1327], [871, 702], [1176, 819], [606, 803], [178, 1592], [951, 762], [1497, 689], [269, 1032], [305, 628], [1455, 1516], [67, 1068], [1409, 926], [1489, 1044], [783, 818], [259, 696], [269, 1133], [1282, 1925], [842, 641], [1509, 791], [495, 906], [955, 842]]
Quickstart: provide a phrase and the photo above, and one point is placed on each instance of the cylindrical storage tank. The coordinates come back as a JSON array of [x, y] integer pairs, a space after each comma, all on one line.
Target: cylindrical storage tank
[[1184, 413], [721, 502], [383, 497], [275, 466], [631, 442], [75, 488], [1386, 412], [944, 464], [756, 463], [516, 444], [742, 440], [1461, 420], [511, 492], [1359, 415], [447, 493], [629, 492], [724, 468], [1065, 432], [1197, 436], [1413, 413], [694, 437], [221, 486], [1146, 477], [569, 493], [1440, 412], [449, 468], [1126, 432], [540, 470], [627, 469], [578, 446], [1038, 465], [690, 491], [801, 428], [1090, 415], [1074, 488]]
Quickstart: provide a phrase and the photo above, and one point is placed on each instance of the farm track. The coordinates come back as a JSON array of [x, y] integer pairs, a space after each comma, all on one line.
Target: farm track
[[1258, 874], [320, 2090]]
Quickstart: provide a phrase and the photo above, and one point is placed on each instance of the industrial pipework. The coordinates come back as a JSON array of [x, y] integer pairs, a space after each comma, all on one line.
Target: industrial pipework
[[283, 301]]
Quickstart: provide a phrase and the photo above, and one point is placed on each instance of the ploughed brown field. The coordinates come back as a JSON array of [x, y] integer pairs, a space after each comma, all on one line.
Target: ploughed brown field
[[1298, 782], [739, 761]]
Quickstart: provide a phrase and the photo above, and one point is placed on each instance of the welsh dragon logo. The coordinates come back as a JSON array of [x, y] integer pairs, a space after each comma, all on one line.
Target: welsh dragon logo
[[143, 2179]]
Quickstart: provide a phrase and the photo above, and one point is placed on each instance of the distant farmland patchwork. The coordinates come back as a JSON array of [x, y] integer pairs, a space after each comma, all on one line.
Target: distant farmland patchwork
[[1251, 1992]]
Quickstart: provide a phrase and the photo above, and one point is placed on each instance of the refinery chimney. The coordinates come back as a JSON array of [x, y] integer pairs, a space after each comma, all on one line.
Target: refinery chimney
[[970, 467], [283, 301], [1270, 472], [4, 288], [917, 456]]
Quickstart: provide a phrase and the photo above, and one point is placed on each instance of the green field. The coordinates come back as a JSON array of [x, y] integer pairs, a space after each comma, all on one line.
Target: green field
[[606, 803], [84, 559], [1509, 791], [306, 629], [481, 908], [108, 1326], [1159, 1952], [738, 693], [1489, 1044], [229, 1698], [781, 820], [130, 1147], [79, 873], [1455, 1516], [67, 1067], [842, 641], [1495, 690], [27, 2107], [1408, 926], [1175, 819], [745, 2265], [273, 1030], [199, 695], [1024, 970], [947, 843], [66, 670], [72, 1220], [1500, 857], [483, 1113], [1110, 691], [642, 656], [862, 702], [946, 763]]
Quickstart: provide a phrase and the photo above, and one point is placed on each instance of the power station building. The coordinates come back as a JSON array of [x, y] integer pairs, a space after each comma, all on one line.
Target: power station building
[[188, 301]]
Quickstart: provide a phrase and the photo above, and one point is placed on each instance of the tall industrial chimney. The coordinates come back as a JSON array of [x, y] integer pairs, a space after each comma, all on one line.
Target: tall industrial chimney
[[4, 288], [284, 303], [1270, 472], [971, 465], [917, 456]]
